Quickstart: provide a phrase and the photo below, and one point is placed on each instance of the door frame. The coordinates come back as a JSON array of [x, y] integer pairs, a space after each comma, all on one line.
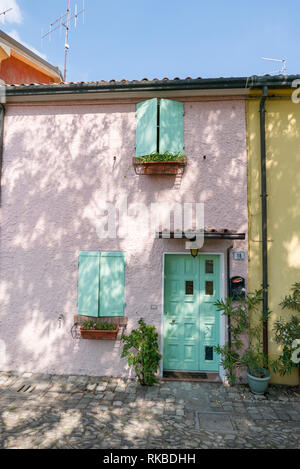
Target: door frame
[[222, 297]]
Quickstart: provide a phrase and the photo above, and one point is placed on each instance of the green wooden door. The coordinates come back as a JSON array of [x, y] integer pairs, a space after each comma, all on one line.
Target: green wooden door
[[191, 322], [209, 316], [181, 315]]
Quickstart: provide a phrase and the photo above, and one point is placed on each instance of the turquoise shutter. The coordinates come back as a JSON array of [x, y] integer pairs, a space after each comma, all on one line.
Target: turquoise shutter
[[112, 284], [146, 127], [171, 126], [88, 283]]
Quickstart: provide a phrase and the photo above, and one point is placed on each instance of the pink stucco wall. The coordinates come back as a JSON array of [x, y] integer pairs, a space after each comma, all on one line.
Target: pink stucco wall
[[58, 167]]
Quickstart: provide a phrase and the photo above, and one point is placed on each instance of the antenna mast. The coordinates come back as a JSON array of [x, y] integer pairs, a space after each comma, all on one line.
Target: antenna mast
[[283, 68], [5, 11], [65, 20]]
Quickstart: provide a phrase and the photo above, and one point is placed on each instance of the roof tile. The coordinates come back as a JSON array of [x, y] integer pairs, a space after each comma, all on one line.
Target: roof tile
[[275, 78]]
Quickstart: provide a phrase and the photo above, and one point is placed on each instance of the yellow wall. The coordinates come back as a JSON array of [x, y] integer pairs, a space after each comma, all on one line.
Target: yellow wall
[[283, 188]]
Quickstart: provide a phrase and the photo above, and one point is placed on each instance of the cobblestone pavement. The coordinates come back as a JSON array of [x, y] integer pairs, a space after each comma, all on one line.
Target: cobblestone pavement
[[43, 411]]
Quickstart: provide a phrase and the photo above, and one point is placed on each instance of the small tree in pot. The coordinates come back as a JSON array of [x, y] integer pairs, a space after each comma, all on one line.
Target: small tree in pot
[[246, 348]]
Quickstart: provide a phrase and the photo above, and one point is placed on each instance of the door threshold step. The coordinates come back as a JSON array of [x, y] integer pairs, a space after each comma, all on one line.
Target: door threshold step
[[201, 377]]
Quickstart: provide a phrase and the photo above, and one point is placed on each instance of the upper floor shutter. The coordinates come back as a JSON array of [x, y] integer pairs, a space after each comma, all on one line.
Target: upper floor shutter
[[146, 127], [88, 283], [112, 284], [171, 127]]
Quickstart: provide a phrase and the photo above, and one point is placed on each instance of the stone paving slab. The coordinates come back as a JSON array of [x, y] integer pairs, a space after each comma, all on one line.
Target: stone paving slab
[[209, 421], [44, 411]]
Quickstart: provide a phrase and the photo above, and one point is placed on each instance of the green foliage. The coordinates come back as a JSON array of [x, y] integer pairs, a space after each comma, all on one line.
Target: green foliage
[[246, 320], [100, 326], [255, 360], [141, 348], [287, 331], [229, 361], [292, 301], [162, 157]]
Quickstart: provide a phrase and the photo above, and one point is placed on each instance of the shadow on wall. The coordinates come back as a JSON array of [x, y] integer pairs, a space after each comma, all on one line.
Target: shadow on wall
[[58, 166]]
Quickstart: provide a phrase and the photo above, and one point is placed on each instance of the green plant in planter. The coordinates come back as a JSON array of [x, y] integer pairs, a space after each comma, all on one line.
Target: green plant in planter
[[246, 320], [162, 157], [100, 326], [287, 334], [255, 361], [141, 348]]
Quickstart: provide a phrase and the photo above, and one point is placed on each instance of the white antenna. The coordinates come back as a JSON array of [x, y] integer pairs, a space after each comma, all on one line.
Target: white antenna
[[282, 71], [65, 20]]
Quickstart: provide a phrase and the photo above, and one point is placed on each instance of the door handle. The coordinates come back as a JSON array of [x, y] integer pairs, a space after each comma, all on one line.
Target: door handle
[[166, 313]]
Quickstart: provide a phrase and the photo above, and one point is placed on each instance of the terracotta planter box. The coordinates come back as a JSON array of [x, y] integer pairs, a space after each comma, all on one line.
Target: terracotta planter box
[[99, 335], [163, 168]]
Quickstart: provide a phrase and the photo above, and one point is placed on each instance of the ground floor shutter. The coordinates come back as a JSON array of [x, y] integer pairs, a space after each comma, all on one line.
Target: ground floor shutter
[[112, 284], [88, 283]]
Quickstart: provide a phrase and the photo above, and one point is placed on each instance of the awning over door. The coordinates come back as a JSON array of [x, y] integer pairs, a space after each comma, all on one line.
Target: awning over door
[[208, 234]]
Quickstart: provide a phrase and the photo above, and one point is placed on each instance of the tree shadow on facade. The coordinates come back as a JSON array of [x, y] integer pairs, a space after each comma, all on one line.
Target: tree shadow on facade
[[59, 163]]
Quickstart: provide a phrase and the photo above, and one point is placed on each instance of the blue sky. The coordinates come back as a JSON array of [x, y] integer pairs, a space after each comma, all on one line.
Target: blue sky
[[162, 38]]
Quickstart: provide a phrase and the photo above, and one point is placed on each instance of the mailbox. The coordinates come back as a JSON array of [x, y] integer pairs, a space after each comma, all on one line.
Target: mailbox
[[237, 287]]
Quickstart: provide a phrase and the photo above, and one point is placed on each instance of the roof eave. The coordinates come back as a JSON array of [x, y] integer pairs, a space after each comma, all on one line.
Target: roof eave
[[235, 83], [29, 54]]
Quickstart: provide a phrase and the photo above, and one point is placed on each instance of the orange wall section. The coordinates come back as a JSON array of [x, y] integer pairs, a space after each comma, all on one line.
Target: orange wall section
[[13, 71]]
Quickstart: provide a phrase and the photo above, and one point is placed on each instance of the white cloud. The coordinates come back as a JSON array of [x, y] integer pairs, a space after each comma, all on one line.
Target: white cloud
[[15, 35], [13, 16]]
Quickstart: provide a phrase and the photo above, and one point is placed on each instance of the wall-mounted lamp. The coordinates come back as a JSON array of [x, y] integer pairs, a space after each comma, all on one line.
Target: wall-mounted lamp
[[194, 252]]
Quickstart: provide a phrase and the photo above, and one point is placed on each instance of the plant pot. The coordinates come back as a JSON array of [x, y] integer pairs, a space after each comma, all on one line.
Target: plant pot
[[99, 335], [162, 168], [259, 385]]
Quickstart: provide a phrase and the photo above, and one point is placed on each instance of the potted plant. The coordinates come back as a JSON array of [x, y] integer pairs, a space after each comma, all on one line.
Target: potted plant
[[160, 164], [99, 330], [257, 372], [141, 348], [246, 348], [287, 334]]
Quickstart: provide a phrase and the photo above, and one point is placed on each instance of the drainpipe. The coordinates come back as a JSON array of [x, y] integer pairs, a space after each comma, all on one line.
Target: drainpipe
[[2, 112], [228, 293], [264, 196]]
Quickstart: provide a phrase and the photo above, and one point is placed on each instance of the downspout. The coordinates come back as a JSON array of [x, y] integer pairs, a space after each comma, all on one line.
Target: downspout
[[2, 112], [228, 293], [264, 196]]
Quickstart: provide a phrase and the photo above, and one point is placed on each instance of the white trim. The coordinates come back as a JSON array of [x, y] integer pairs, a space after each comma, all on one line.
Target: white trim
[[162, 317], [222, 317], [222, 336]]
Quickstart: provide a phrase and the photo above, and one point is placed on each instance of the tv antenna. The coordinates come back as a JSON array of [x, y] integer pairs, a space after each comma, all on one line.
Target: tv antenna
[[282, 71], [65, 20], [5, 11]]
